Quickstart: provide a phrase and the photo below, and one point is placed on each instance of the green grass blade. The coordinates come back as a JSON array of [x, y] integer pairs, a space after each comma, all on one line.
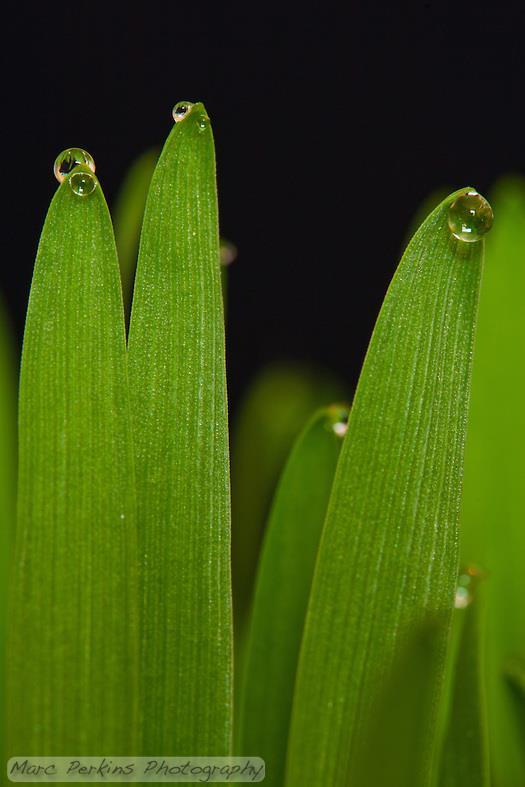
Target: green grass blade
[[7, 488], [283, 588], [465, 757], [128, 214], [177, 379], [388, 557], [493, 511], [273, 412], [73, 648]]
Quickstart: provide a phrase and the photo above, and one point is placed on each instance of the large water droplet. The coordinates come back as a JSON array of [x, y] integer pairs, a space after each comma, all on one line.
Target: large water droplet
[[470, 217], [83, 183], [468, 580], [66, 162], [181, 109]]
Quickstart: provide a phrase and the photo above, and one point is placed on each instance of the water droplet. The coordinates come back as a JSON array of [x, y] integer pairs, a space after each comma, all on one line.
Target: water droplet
[[470, 217], [203, 122], [468, 580], [338, 419], [228, 252], [82, 183], [181, 109], [66, 162]]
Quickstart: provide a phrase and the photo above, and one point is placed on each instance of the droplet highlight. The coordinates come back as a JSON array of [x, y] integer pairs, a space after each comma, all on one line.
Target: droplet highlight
[[338, 419], [468, 581], [203, 122], [181, 109], [82, 183], [70, 158], [470, 217]]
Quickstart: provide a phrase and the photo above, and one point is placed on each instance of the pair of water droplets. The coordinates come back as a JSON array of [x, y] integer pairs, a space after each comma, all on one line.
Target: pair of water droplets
[[78, 165]]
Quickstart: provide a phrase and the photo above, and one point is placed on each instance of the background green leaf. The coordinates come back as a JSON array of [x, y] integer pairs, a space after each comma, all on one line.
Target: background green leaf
[[177, 380], [273, 412], [128, 214], [465, 757], [493, 510], [388, 557], [283, 588], [73, 648], [393, 748]]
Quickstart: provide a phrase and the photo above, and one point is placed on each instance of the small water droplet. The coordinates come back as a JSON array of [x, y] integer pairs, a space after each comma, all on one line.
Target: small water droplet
[[228, 252], [181, 109], [338, 419], [66, 162], [470, 217], [468, 580], [203, 122], [82, 183]]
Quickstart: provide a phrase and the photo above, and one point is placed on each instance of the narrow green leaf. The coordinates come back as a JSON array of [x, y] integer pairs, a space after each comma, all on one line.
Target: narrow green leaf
[[465, 758], [73, 649], [178, 387], [273, 412], [7, 489], [388, 557], [493, 511], [128, 215], [283, 588]]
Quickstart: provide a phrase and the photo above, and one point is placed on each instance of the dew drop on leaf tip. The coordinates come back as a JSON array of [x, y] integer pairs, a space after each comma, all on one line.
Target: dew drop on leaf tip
[[70, 158], [82, 183], [470, 217], [181, 109]]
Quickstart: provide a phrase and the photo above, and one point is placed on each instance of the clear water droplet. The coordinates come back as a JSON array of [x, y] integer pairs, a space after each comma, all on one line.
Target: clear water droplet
[[181, 109], [470, 217], [66, 162], [203, 122], [468, 580], [338, 419], [83, 183], [228, 252]]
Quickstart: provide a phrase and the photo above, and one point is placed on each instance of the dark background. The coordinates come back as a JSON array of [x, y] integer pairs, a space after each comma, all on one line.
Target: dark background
[[332, 123]]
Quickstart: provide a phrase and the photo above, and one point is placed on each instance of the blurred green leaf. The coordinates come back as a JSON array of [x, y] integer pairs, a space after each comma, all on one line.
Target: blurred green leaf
[[388, 558], [178, 386], [128, 214], [493, 510], [392, 750], [465, 757], [73, 647], [282, 590], [8, 383], [273, 412]]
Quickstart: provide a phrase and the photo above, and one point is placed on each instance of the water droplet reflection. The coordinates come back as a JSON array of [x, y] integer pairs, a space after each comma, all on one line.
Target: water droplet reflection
[[181, 109], [70, 158], [470, 217], [82, 183]]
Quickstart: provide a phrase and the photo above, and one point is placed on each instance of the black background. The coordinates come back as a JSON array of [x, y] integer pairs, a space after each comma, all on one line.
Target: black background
[[332, 123]]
